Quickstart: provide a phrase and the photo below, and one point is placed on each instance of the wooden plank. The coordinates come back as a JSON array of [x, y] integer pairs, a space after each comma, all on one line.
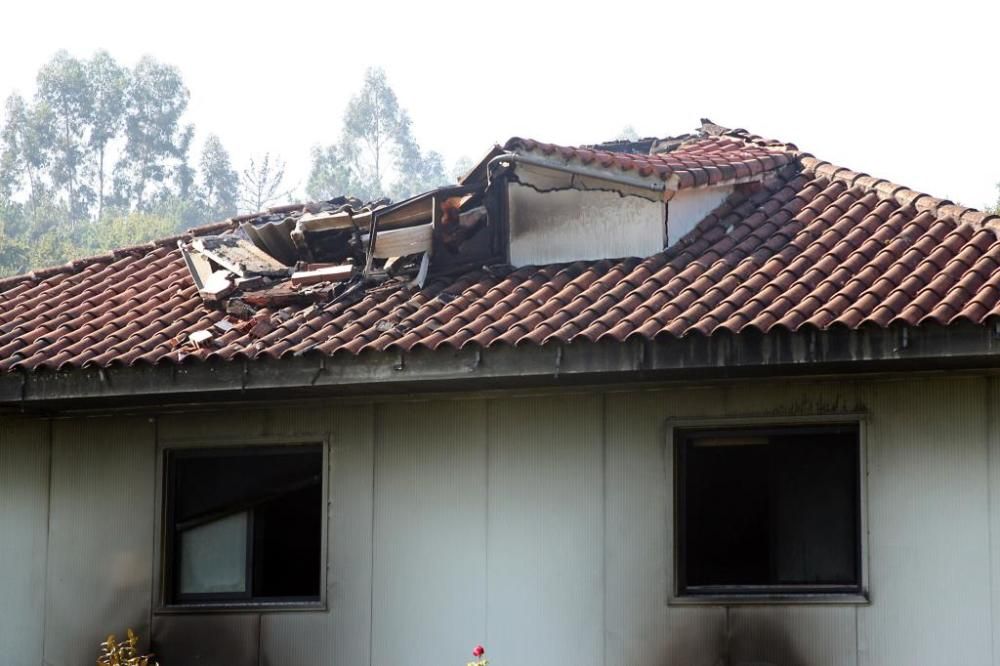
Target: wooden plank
[[327, 274], [199, 267], [401, 242], [326, 221]]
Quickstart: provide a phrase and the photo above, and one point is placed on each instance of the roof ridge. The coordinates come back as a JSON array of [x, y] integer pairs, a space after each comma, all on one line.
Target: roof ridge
[[904, 196], [76, 265]]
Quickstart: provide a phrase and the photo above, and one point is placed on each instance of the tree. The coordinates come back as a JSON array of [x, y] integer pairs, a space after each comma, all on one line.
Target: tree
[[463, 165], [13, 251], [332, 175], [377, 143], [628, 133], [129, 229], [220, 182], [108, 85], [64, 87], [156, 100], [417, 172], [262, 183], [27, 139], [372, 122]]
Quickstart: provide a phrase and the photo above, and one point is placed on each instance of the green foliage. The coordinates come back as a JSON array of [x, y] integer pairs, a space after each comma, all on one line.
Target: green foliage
[[100, 156], [332, 175], [124, 230], [377, 154], [64, 90], [156, 144], [90, 120], [108, 84], [220, 182]]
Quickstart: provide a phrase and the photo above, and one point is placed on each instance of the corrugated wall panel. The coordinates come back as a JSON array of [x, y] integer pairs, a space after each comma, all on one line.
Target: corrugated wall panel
[[209, 640], [428, 597], [101, 535], [640, 627], [546, 532], [233, 423], [928, 511], [24, 484], [342, 635], [993, 454], [793, 635], [299, 639]]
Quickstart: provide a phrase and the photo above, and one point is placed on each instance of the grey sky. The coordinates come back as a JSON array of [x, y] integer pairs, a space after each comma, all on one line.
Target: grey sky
[[893, 89]]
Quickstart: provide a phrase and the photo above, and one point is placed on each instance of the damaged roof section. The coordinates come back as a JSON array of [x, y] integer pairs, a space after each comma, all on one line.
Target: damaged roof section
[[333, 251], [808, 246]]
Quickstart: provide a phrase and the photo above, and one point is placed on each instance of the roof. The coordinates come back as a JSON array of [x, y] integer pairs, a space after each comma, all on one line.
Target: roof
[[694, 162], [815, 246]]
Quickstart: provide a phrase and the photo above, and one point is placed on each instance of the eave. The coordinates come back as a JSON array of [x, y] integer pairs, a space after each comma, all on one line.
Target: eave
[[748, 355]]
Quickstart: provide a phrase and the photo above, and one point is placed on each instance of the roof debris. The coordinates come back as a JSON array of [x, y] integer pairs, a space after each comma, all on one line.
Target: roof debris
[[330, 252], [199, 338]]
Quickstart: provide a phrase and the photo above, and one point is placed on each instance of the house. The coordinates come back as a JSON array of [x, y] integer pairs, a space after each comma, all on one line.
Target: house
[[700, 400]]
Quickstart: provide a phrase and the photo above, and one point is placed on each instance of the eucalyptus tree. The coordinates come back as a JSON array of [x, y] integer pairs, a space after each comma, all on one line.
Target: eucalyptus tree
[[376, 146], [155, 140], [108, 85], [64, 87], [220, 184]]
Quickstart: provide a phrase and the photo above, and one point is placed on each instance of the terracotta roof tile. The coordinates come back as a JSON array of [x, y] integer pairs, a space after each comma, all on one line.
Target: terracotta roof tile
[[816, 245]]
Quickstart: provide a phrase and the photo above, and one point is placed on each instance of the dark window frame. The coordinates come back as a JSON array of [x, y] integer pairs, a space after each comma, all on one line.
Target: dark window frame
[[170, 596], [683, 432]]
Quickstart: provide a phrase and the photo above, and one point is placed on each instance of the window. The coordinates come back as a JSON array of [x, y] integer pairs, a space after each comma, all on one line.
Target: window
[[244, 525], [768, 511]]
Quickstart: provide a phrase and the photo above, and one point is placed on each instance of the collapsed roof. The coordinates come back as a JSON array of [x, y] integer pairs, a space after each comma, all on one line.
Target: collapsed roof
[[808, 245]]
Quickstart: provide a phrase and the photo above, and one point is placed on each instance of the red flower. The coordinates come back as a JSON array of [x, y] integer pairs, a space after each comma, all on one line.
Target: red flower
[[478, 651]]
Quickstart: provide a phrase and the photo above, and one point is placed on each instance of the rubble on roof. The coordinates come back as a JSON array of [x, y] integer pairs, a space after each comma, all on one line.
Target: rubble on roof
[[330, 251]]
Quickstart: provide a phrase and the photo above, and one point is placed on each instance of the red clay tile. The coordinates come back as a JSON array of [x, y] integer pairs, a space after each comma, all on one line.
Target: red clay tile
[[816, 245]]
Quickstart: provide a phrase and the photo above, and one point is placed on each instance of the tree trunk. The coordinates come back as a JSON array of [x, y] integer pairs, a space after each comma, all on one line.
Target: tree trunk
[[72, 169], [100, 183]]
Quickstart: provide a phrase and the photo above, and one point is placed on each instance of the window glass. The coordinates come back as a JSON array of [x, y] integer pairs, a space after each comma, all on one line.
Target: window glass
[[769, 509], [214, 556], [244, 524]]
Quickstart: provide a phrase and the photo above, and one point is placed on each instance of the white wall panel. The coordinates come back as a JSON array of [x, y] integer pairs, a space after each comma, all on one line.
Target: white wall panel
[[101, 535], [993, 454], [429, 592], [24, 484], [546, 536], [571, 225], [929, 539], [539, 526]]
